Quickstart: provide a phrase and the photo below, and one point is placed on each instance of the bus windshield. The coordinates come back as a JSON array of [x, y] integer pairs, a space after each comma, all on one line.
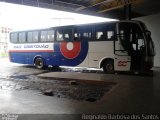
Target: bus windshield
[[131, 37], [150, 44]]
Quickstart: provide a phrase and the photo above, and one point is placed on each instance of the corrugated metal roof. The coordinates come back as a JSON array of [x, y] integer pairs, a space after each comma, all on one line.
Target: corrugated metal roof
[[105, 8]]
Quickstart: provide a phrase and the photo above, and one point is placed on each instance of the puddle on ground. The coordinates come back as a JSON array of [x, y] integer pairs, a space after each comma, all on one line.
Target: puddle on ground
[[10, 85], [81, 92], [55, 88], [19, 77], [59, 89]]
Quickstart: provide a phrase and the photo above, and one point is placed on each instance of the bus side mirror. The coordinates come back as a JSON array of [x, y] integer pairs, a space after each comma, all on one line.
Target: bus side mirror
[[148, 32]]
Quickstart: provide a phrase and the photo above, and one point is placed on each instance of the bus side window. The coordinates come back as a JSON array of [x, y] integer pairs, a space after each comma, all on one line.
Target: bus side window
[[35, 36], [29, 36], [66, 36], [22, 37], [50, 36], [76, 36], [83, 33], [43, 37], [14, 37], [86, 35], [122, 35], [100, 36], [110, 35], [32, 36], [59, 36]]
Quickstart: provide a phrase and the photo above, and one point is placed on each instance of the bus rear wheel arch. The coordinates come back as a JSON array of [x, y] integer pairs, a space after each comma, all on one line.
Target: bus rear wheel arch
[[108, 65], [40, 63]]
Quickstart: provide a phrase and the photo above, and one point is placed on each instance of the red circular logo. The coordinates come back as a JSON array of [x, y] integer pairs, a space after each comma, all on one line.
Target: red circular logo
[[70, 50]]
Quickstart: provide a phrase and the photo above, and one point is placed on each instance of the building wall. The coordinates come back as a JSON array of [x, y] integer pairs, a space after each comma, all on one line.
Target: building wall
[[4, 38], [153, 24]]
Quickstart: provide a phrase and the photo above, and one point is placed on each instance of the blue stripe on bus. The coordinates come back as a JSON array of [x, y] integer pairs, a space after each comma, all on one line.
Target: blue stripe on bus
[[51, 58]]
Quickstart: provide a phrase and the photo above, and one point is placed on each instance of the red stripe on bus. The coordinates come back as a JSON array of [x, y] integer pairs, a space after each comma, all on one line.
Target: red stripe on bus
[[31, 50]]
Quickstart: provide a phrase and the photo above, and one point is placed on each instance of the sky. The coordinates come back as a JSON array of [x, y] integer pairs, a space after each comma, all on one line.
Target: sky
[[20, 17]]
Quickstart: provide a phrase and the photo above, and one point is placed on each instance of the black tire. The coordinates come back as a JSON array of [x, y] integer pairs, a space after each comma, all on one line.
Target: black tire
[[56, 68], [39, 63], [108, 66]]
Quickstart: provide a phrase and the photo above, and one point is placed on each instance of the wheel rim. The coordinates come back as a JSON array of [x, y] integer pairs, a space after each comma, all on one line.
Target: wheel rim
[[39, 63], [109, 67]]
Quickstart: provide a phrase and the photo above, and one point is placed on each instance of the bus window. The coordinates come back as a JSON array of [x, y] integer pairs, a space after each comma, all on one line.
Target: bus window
[[81, 33], [35, 36], [104, 33], [32, 36], [64, 35], [14, 37], [43, 37], [67, 33], [22, 37], [50, 36], [99, 36], [150, 44], [110, 35], [59, 36], [76, 36], [29, 37], [86, 34], [140, 44]]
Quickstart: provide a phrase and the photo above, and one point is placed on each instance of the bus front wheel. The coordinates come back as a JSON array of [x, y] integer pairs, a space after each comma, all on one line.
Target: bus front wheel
[[39, 63], [108, 66]]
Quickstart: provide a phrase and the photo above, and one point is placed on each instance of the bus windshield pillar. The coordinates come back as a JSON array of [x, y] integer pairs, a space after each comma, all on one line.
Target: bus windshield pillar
[[127, 12]]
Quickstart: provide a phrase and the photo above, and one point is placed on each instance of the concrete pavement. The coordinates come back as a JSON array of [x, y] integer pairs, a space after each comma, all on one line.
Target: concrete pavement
[[92, 78], [130, 94]]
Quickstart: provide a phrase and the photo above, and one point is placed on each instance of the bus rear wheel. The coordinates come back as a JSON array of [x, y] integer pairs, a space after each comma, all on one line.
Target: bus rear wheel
[[108, 66], [39, 63]]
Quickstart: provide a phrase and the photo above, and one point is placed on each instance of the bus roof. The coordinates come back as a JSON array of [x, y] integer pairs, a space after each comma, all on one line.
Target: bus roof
[[79, 25]]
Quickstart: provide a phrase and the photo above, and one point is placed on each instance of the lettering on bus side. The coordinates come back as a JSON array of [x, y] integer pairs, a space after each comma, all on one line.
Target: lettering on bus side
[[17, 46], [122, 63], [36, 46]]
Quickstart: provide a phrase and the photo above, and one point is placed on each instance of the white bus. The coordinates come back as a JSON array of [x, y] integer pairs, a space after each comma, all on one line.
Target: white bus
[[113, 46]]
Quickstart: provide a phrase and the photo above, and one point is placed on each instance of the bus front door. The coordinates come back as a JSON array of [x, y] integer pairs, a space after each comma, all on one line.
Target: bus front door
[[132, 40], [122, 61]]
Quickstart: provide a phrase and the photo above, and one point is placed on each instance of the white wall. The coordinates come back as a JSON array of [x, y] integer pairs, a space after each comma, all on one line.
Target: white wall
[[153, 24]]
